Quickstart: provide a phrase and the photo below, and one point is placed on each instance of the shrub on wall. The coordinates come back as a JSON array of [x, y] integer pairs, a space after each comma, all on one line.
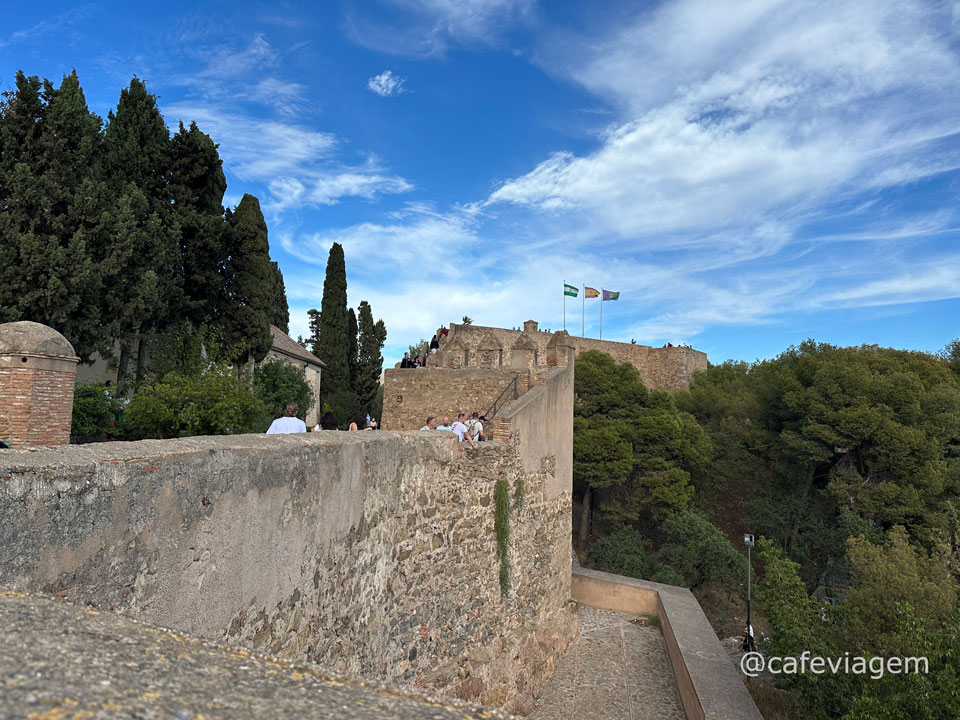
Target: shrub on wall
[[623, 553]]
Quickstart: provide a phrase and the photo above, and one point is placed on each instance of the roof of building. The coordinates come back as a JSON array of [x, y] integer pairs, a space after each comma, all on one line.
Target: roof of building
[[29, 337], [286, 345]]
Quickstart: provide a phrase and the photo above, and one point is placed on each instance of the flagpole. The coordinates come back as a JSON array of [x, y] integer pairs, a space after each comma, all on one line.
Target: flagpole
[[601, 312], [583, 309], [564, 305]]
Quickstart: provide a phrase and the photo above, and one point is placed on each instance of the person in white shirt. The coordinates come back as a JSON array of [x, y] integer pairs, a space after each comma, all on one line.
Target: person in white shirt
[[289, 423], [461, 430], [475, 427]]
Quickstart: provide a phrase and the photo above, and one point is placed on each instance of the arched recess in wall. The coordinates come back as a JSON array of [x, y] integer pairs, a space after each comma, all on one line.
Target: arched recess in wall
[[489, 351]]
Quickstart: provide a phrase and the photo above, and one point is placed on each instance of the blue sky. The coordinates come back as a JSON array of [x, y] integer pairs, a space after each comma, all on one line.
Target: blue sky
[[746, 174]]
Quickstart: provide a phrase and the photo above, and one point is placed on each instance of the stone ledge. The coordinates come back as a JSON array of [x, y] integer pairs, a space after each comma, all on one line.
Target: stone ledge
[[710, 687]]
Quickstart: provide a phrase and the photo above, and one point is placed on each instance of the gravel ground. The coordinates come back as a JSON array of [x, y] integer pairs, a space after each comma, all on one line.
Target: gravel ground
[[64, 662]]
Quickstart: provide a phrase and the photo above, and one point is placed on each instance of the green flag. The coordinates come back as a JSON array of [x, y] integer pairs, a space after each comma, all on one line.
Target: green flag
[[570, 290], [610, 295]]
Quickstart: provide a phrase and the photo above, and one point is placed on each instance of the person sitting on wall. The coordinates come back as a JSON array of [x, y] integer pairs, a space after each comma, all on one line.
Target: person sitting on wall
[[416, 362], [434, 344], [327, 422], [443, 331], [446, 424], [289, 423], [475, 427], [431, 423], [461, 430]]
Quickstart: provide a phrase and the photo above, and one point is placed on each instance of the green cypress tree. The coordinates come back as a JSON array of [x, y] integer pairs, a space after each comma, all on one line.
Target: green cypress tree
[[280, 312], [372, 336], [48, 139], [137, 157], [352, 348], [196, 186], [332, 346], [250, 282]]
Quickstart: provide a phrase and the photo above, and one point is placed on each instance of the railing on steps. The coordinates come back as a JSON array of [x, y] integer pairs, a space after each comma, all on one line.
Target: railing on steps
[[504, 397]]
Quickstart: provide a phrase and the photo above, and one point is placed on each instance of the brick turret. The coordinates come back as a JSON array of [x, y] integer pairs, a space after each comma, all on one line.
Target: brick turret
[[37, 370]]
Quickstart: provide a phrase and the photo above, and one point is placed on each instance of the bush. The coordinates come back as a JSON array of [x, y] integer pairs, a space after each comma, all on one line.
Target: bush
[[623, 552], [669, 576], [216, 403], [94, 412], [699, 551], [277, 382]]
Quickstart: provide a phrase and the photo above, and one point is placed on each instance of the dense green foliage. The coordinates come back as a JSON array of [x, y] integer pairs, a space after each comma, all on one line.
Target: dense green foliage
[[631, 445], [501, 526], [277, 383], [847, 462], [117, 232], [350, 343], [193, 389], [94, 412]]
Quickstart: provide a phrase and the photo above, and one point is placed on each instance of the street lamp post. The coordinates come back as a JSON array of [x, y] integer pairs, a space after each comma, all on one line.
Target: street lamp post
[[748, 633]]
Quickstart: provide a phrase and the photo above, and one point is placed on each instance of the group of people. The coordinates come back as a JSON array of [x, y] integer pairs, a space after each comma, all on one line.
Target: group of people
[[428, 348], [468, 430], [290, 423]]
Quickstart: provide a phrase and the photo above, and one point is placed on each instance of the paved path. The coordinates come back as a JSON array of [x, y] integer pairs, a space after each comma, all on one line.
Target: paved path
[[616, 671]]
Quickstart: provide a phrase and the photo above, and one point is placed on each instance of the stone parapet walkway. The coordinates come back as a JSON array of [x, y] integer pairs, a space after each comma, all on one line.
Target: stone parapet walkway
[[617, 670]]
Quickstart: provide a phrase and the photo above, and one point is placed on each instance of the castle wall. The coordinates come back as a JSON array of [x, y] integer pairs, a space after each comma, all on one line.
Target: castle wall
[[441, 391], [372, 553], [660, 368]]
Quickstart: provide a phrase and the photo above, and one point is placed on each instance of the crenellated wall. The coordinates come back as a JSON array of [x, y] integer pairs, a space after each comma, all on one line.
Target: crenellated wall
[[373, 553], [478, 346]]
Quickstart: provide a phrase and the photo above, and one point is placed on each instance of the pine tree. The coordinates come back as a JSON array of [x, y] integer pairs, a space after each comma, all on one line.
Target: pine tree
[[352, 347], [332, 345], [372, 336], [250, 282], [196, 186]]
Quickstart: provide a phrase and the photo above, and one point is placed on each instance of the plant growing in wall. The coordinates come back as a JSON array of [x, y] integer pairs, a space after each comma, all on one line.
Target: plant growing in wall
[[501, 525]]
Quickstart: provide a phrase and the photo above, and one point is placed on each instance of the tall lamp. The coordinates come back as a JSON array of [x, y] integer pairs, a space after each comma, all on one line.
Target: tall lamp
[[748, 633]]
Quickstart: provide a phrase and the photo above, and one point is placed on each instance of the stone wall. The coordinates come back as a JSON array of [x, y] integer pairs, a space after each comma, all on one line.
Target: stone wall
[[541, 421], [373, 553], [442, 391], [468, 346]]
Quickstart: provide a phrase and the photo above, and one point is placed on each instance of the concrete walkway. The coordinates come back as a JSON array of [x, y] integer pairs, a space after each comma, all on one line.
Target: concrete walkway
[[617, 670]]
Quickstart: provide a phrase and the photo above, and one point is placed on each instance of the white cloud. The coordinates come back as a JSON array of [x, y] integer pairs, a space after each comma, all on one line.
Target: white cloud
[[386, 84], [254, 148], [328, 187], [733, 115]]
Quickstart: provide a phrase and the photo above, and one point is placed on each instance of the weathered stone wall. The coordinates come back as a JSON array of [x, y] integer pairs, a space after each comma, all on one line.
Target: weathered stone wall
[[370, 552], [478, 346], [441, 391], [541, 421]]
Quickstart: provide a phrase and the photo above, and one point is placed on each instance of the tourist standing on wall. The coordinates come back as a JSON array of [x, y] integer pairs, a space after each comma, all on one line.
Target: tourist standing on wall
[[434, 344], [406, 362], [289, 423]]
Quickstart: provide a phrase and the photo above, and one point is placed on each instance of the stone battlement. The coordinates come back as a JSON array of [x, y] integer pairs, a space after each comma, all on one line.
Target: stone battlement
[[478, 346]]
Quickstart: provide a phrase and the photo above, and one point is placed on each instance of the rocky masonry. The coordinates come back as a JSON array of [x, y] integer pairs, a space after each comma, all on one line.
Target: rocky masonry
[[372, 553]]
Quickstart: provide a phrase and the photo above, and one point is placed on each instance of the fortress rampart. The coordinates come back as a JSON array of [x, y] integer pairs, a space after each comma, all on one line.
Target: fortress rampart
[[477, 346], [371, 553]]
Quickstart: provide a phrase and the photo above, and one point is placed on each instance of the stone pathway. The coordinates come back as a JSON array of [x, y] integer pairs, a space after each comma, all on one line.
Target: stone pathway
[[615, 671]]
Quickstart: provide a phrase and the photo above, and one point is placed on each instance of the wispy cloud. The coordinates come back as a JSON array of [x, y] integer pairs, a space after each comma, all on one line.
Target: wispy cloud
[[386, 84], [49, 26], [428, 28], [253, 148]]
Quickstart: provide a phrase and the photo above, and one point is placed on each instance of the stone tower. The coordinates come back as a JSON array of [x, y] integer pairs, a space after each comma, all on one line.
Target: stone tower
[[37, 369]]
